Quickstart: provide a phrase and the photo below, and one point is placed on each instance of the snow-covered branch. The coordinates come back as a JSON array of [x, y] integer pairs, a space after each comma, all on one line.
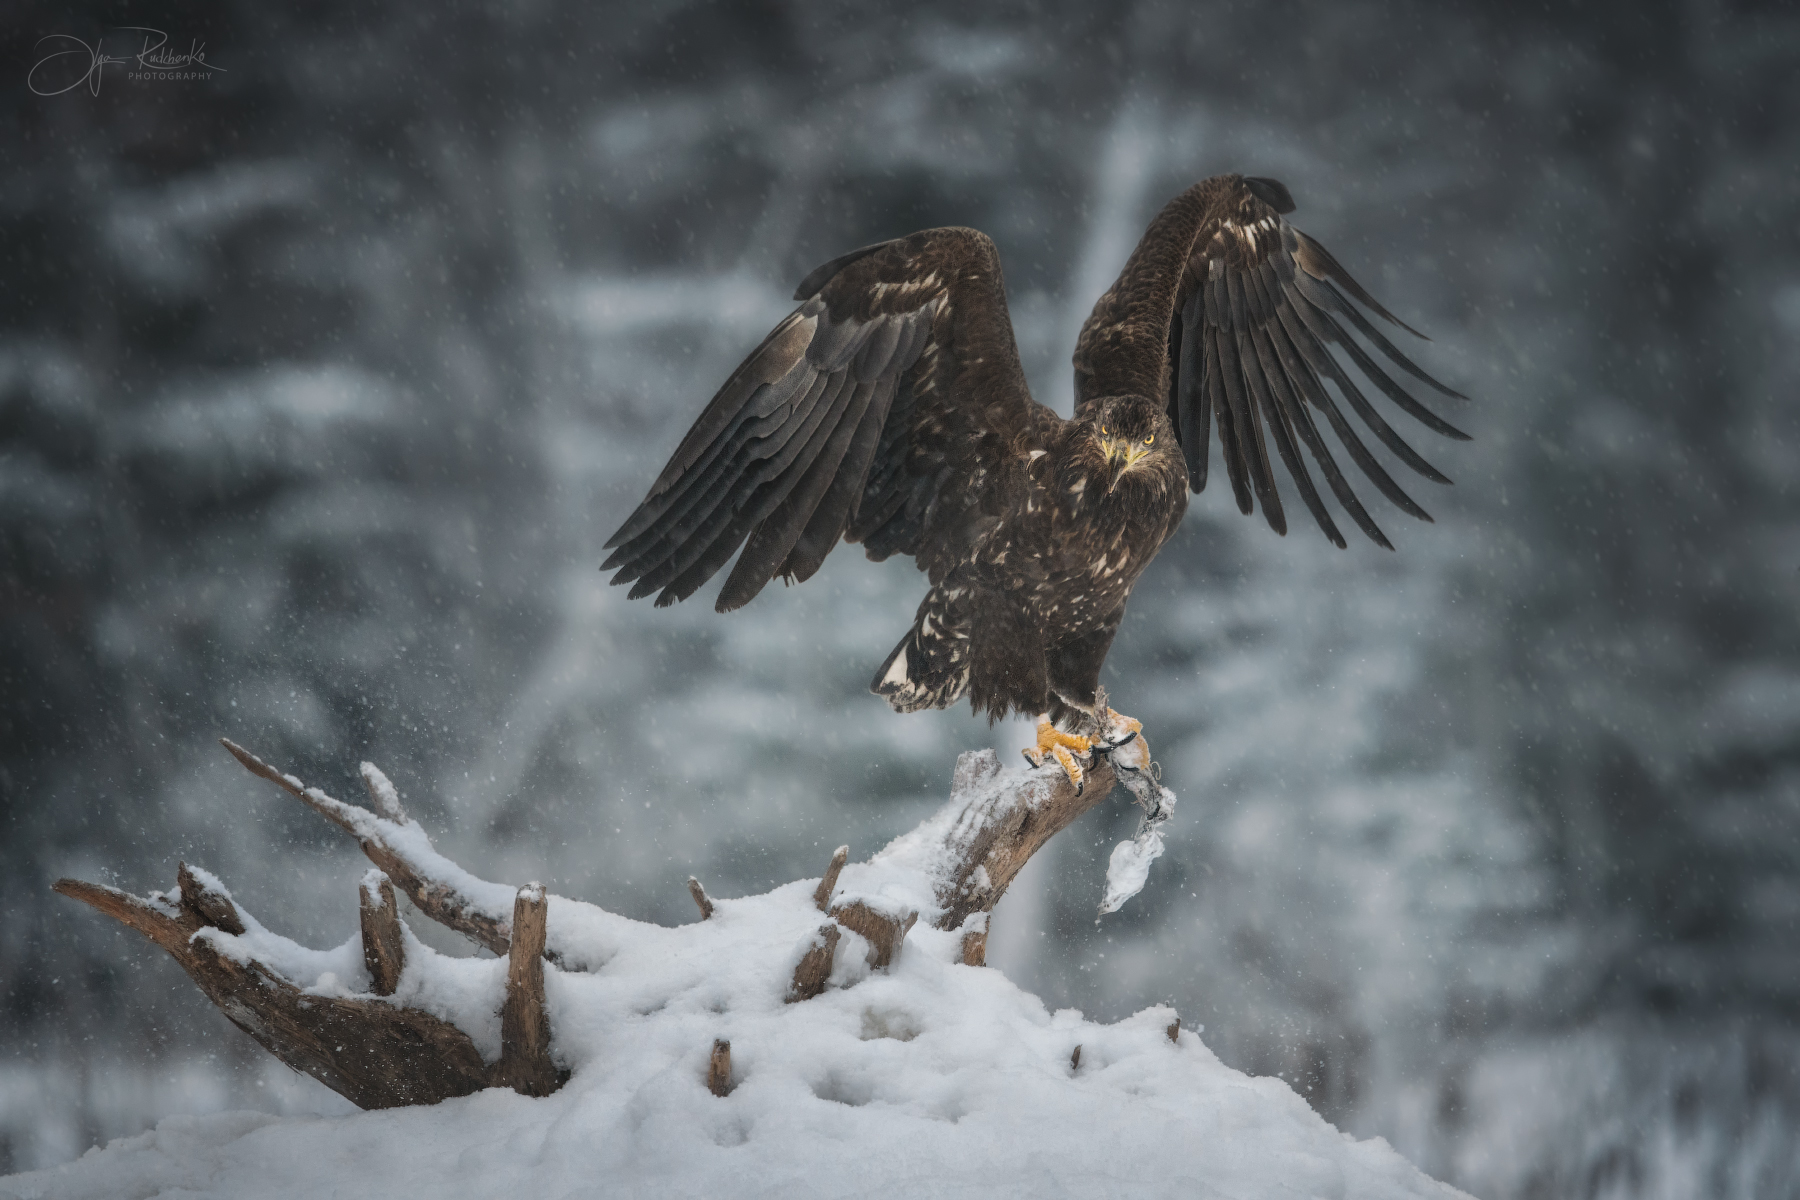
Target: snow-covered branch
[[399, 846], [374, 1053], [386, 1021]]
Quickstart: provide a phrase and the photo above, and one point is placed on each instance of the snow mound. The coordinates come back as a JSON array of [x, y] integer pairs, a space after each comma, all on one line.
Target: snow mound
[[929, 1079]]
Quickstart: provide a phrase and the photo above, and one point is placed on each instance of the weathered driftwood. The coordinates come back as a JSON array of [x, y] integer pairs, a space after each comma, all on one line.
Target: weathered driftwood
[[380, 1054], [373, 1053]]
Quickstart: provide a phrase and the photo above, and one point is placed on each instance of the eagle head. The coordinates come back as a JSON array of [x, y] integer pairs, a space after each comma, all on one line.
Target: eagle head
[[1132, 434]]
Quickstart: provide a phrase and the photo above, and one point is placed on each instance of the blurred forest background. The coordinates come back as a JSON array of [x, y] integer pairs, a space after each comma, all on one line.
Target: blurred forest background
[[323, 379]]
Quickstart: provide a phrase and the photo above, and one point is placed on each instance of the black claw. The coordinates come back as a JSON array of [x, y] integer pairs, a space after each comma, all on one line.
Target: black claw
[[1109, 747]]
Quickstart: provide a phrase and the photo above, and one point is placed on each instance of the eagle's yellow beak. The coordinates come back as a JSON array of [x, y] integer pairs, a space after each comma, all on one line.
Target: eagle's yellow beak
[[1123, 455]]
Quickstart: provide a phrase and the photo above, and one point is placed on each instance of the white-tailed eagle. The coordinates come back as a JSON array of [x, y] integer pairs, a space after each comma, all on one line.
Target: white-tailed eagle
[[890, 409]]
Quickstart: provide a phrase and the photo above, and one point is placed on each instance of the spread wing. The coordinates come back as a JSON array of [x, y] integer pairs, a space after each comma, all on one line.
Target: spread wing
[[877, 411], [1251, 322]]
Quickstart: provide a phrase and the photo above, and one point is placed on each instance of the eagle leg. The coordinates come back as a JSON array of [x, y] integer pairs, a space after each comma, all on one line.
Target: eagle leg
[[1063, 747]]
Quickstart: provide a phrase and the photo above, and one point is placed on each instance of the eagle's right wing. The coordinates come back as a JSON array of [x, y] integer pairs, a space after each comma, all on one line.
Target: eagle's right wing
[[876, 412]]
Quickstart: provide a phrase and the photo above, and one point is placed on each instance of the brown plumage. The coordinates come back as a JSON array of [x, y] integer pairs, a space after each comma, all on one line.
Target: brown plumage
[[890, 409]]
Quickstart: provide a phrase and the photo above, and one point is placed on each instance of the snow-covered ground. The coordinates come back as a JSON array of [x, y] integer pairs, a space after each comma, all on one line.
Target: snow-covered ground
[[931, 1078]]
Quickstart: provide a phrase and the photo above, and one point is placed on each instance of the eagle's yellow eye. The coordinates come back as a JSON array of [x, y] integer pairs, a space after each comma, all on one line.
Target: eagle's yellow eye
[[1149, 439]]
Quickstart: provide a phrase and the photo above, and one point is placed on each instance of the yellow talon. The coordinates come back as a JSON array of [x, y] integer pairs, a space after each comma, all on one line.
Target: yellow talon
[[1071, 768], [1054, 743]]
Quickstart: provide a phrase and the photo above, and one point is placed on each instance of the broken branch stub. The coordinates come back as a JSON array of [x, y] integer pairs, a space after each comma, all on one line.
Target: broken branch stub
[[700, 898], [885, 931], [525, 1064], [204, 906], [814, 967], [384, 949], [828, 885], [718, 1068], [974, 940], [383, 797]]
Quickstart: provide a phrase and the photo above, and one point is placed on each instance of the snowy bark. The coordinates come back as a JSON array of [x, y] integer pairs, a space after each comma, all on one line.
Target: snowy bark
[[997, 822]]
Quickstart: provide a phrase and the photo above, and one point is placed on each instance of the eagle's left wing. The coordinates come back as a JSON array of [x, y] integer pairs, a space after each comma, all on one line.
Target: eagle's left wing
[[1234, 312]]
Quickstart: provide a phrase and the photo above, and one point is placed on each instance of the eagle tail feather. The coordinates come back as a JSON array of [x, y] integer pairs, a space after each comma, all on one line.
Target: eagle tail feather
[[930, 666]]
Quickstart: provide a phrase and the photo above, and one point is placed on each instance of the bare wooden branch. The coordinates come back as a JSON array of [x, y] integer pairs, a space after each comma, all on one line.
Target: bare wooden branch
[[1000, 825], [1175, 1031], [718, 1069], [525, 1064], [700, 898], [372, 1052], [814, 967], [1075, 1060], [437, 899], [384, 950], [828, 885], [885, 932]]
